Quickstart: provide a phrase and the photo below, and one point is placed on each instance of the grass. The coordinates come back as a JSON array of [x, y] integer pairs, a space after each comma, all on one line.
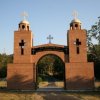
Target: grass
[[3, 84]]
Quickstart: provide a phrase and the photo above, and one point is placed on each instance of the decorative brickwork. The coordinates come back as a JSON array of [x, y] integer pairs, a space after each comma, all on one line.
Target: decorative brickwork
[[79, 74]]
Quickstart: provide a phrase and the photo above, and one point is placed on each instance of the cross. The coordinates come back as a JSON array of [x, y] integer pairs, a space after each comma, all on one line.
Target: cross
[[24, 15], [75, 14], [77, 43], [50, 38], [21, 44]]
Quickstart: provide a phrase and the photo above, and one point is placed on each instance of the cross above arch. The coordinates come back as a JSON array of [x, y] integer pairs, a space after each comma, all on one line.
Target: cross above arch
[[49, 38]]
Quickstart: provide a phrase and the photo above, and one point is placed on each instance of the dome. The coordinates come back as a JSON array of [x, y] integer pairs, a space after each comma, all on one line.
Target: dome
[[76, 20], [24, 25], [24, 21]]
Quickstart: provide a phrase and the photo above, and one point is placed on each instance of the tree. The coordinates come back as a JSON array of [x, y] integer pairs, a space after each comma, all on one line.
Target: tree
[[4, 60], [94, 49], [94, 32], [50, 67]]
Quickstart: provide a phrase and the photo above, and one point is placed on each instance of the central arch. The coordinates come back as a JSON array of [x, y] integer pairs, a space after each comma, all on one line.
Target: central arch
[[50, 70]]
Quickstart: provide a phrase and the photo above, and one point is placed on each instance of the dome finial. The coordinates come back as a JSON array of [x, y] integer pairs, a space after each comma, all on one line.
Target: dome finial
[[75, 14], [24, 24], [24, 15]]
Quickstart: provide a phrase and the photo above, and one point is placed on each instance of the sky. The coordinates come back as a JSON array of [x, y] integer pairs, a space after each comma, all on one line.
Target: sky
[[45, 17]]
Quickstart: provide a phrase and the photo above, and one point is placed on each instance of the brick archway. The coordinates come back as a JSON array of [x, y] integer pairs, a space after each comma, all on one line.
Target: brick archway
[[39, 55], [40, 51], [53, 53], [59, 50], [79, 73]]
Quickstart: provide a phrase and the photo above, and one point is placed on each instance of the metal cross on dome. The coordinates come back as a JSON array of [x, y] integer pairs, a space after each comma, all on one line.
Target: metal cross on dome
[[49, 38], [24, 15], [75, 14]]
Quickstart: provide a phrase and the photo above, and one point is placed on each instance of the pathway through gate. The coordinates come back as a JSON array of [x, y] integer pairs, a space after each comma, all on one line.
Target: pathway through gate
[[50, 72]]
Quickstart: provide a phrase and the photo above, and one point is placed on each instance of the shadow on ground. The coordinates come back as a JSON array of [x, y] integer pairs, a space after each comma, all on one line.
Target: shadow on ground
[[59, 96], [11, 95]]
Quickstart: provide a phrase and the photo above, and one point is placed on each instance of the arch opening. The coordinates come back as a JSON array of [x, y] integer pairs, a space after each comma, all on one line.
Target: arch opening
[[23, 26], [50, 72]]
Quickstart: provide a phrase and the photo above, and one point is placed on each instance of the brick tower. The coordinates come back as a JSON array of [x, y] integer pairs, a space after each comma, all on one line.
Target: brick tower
[[20, 74], [79, 73], [23, 43]]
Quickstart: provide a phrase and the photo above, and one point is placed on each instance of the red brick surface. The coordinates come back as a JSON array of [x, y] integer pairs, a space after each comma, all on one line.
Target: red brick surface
[[39, 55], [73, 56], [21, 76], [79, 74], [27, 37]]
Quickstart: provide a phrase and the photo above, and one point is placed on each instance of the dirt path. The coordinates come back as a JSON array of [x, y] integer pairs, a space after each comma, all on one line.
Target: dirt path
[[37, 96], [59, 96]]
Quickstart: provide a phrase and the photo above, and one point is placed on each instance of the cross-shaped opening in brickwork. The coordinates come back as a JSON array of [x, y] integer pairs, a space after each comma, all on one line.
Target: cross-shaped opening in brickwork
[[22, 44], [78, 43]]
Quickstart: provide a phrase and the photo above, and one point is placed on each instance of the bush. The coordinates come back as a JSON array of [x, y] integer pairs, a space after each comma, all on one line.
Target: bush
[[3, 72], [97, 70]]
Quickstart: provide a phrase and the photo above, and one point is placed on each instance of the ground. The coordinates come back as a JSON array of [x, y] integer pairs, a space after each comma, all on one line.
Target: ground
[[58, 95], [49, 95]]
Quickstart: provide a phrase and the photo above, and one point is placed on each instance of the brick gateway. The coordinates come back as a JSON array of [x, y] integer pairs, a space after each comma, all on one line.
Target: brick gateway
[[79, 74]]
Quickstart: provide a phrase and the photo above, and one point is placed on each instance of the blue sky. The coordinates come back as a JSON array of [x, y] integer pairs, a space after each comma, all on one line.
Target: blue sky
[[45, 17]]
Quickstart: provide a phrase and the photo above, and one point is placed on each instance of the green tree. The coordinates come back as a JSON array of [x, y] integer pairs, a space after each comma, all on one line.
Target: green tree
[[50, 67], [94, 32], [4, 60], [94, 49]]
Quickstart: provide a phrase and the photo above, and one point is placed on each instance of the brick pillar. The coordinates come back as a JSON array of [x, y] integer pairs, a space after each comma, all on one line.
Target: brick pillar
[[21, 74], [79, 73]]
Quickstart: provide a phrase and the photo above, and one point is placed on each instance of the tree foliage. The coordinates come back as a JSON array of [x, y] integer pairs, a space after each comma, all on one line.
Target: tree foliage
[[50, 67], [94, 48], [4, 60], [94, 32]]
